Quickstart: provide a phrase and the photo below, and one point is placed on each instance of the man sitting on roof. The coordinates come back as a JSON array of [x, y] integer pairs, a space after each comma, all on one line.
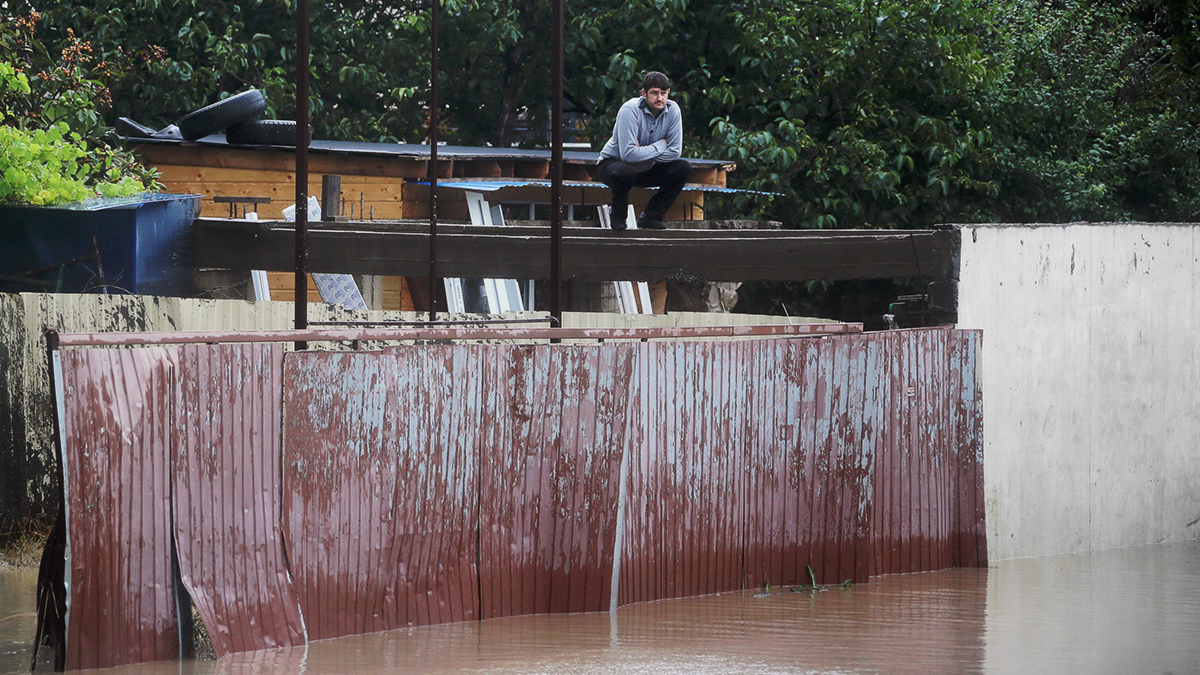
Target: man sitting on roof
[[644, 151]]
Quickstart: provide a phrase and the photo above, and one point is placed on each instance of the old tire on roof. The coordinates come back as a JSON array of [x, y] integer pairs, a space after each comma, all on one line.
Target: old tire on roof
[[127, 128], [264, 132], [213, 118]]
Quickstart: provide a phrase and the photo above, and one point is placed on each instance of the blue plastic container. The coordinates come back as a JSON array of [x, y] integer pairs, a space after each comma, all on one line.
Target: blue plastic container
[[144, 244]]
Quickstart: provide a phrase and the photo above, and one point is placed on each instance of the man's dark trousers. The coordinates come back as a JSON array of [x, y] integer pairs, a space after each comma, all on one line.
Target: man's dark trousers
[[668, 177]]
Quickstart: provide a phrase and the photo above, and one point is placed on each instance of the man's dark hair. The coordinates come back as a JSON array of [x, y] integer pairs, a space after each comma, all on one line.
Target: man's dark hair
[[655, 79]]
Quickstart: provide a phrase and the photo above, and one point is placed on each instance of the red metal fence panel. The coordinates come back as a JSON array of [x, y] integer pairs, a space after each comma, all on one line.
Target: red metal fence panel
[[550, 476], [437, 483], [966, 424], [181, 439], [226, 499], [928, 499], [686, 502], [380, 487], [116, 429]]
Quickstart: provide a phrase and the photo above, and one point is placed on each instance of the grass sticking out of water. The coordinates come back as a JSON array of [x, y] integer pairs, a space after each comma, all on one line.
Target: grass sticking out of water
[[22, 544]]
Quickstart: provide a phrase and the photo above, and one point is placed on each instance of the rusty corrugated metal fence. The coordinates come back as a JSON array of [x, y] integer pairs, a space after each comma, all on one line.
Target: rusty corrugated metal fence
[[318, 494]]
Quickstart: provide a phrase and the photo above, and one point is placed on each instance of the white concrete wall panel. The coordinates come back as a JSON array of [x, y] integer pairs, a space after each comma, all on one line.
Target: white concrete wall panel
[[1089, 375]]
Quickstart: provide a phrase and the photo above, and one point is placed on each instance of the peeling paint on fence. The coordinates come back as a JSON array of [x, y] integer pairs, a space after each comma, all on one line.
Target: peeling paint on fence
[[556, 420], [426, 484], [380, 487], [30, 488]]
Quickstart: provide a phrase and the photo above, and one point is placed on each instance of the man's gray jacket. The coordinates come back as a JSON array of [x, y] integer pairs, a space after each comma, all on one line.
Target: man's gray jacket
[[641, 139]]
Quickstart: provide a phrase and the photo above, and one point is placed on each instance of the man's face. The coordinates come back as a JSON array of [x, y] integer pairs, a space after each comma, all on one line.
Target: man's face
[[656, 99]]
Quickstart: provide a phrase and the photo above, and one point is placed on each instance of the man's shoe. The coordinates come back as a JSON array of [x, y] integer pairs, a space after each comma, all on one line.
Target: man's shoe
[[645, 223], [617, 220]]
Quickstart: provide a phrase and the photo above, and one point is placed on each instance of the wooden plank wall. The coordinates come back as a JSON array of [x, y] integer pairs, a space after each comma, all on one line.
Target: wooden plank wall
[[265, 172], [379, 187], [396, 293]]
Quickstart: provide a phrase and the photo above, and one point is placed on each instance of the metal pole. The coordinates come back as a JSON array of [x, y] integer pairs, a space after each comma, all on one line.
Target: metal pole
[[556, 160], [301, 169], [433, 160]]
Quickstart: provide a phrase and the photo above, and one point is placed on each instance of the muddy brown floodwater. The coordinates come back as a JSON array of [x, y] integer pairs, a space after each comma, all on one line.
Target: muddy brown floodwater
[[1134, 610]]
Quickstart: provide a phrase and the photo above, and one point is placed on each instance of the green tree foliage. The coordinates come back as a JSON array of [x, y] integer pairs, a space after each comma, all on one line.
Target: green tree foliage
[[369, 64], [1094, 114], [54, 144], [859, 113], [495, 70]]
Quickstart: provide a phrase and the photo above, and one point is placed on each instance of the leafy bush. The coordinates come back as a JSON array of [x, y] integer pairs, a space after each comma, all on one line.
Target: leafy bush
[[40, 167], [1093, 116], [54, 144], [370, 61]]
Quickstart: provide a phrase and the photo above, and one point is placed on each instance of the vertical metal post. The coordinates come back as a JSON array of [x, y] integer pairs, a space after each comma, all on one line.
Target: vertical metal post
[[433, 159], [556, 160], [301, 168]]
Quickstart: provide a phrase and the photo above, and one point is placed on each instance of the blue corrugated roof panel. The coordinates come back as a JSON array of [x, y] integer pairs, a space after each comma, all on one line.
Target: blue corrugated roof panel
[[494, 185]]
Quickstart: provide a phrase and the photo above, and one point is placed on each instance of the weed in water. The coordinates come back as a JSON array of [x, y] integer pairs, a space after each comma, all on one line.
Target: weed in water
[[22, 544]]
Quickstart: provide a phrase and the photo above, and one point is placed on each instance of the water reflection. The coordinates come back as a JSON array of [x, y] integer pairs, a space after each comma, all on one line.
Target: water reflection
[[1133, 610], [17, 619], [1128, 611]]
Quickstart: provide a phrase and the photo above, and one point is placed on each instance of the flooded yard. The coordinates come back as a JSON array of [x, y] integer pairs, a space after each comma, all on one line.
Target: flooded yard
[[1134, 610]]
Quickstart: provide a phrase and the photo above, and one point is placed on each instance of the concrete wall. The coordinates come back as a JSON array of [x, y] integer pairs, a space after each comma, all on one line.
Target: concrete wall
[[1090, 394]]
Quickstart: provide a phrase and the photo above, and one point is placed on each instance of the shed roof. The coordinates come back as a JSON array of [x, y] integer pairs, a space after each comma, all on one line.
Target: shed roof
[[421, 151], [495, 185]]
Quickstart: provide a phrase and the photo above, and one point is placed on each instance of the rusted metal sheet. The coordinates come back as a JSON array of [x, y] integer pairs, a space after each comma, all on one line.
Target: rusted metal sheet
[[774, 445], [437, 483], [860, 453], [380, 486], [29, 487], [117, 431], [687, 499], [226, 496], [557, 425], [927, 504], [966, 424]]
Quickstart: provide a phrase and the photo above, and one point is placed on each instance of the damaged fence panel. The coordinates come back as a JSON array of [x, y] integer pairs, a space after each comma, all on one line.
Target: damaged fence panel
[[226, 496], [117, 430]]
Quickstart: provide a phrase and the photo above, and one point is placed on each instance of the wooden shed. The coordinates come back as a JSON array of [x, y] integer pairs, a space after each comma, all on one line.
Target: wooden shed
[[390, 181]]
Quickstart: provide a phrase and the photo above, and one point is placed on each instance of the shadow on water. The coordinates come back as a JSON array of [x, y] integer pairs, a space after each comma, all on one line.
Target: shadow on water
[[1133, 610]]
